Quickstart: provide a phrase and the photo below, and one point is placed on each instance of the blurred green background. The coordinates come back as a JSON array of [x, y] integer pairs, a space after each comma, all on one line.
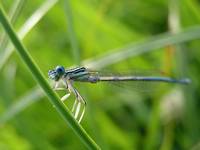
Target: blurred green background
[[112, 35]]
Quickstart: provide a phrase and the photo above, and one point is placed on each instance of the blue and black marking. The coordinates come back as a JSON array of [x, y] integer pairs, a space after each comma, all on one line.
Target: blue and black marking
[[83, 75], [78, 73]]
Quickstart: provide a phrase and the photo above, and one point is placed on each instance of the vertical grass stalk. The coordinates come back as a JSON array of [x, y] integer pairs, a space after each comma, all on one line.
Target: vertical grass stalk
[[71, 31]]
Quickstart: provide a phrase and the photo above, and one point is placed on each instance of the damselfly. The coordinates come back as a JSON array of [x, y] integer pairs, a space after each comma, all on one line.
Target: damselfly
[[81, 74]]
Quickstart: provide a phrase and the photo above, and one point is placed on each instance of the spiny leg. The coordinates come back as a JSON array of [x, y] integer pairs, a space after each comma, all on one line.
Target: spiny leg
[[74, 106], [77, 104], [77, 110], [65, 97], [56, 88], [80, 100], [72, 89]]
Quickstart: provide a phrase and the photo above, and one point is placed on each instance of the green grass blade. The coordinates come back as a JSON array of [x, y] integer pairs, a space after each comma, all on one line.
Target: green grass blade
[[147, 46], [13, 15], [16, 10], [54, 99], [26, 28], [193, 8], [71, 31], [29, 98]]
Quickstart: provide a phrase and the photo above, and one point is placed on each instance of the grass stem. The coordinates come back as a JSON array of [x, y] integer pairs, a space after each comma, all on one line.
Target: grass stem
[[54, 99]]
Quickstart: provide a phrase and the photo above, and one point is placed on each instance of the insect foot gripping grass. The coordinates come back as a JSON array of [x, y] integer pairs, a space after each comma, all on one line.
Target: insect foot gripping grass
[[67, 76]]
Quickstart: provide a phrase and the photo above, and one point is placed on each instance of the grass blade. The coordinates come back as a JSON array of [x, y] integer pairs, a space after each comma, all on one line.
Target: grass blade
[[72, 34], [53, 97], [147, 46], [25, 29], [32, 96], [13, 15]]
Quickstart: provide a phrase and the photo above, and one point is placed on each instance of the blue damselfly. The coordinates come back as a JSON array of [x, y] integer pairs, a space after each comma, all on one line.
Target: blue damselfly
[[82, 74]]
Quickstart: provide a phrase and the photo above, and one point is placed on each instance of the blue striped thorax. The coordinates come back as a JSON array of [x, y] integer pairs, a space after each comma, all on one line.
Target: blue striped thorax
[[79, 73]]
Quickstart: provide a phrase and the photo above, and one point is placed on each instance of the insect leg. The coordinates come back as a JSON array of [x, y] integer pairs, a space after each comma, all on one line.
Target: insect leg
[[77, 104], [80, 100], [56, 88]]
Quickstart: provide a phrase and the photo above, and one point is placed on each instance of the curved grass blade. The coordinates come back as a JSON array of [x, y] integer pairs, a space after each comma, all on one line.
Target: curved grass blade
[[29, 98], [13, 15], [150, 45], [39, 77], [26, 28]]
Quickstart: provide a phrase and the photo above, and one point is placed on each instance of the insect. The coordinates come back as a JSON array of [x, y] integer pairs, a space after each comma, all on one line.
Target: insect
[[82, 74]]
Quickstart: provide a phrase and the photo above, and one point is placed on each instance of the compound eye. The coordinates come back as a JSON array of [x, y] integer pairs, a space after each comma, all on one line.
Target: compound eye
[[60, 70]]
